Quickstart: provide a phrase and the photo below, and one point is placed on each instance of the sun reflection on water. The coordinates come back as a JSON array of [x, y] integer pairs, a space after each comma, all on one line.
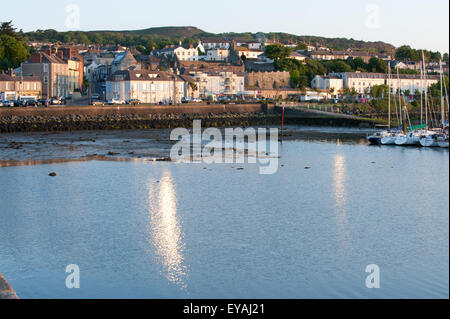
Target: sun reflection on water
[[166, 233], [340, 198]]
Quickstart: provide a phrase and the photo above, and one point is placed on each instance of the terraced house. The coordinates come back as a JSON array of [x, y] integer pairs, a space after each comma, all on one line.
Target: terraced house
[[148, 86], [51, 70], [14, 87]]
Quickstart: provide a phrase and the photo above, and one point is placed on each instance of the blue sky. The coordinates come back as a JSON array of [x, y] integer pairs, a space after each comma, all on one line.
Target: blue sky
[[421, 24]]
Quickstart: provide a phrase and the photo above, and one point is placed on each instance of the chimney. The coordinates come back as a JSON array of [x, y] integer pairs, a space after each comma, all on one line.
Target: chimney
[[191, 46], [36, 58]]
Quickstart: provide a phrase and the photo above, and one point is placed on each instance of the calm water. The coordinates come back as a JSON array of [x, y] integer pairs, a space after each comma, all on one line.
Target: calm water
[[166, 230]]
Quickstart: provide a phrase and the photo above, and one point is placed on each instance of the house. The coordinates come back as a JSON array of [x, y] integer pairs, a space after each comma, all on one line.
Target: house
[[247, 53], [52, 71], [124, 61], [330, 83], [411, 82], [182, 53], [298, 56], [218, 83], [399, 65], [148, 86], [15, 87], [363, 82], [322, 55], [215, 43], [217, 55]]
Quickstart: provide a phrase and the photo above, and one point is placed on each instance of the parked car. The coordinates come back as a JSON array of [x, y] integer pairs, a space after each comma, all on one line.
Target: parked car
[[95, 96], [116, 102], [134, 102], [98, 103], [31, 103], [18, 103], [42, 102], [55, 101]]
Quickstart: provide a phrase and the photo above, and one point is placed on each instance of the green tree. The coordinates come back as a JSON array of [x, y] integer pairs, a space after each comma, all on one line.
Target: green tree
[[377, 65], [378, 91], [13, 52], [295, 78], [277, 52]]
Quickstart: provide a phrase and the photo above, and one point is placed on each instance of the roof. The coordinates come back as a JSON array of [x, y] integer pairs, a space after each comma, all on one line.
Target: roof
[[25, 78], [147, 75]]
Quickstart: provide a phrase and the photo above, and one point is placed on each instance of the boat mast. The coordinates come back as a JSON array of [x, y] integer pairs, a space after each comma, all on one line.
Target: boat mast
[[389, 94], [426, 91], [421, 96], [399, 97], [442, 96]]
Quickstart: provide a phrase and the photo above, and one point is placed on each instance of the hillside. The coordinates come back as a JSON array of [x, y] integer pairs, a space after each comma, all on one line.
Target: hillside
[[164, 35], [183, 32]]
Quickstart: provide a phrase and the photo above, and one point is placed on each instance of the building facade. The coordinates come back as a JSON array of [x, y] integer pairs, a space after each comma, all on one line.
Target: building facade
[[147, 86], [52, 71]]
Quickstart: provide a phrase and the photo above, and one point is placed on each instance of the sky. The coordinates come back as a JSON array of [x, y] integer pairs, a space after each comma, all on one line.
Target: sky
[[421, 24]]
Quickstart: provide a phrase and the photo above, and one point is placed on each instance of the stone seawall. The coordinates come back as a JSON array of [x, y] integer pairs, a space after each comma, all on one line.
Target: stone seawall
[[75, 118], [6, 292]]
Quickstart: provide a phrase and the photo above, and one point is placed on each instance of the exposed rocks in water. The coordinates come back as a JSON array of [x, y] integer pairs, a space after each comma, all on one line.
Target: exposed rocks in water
[[53, 174], [6, 291], [113, 154], [307, 167]]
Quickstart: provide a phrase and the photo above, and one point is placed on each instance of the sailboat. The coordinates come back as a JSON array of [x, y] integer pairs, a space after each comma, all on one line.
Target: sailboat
[[406, 137], [391, 135], [437, 136]]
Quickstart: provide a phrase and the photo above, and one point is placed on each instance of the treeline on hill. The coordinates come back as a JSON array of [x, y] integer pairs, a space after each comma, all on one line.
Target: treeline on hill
[[160, 37], [406, 53]]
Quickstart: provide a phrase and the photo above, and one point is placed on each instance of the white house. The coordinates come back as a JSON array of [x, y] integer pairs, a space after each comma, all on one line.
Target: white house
[[248, 53], [217, 55], [328, 83], [190, 53], [147, 86], [218, 83], [210, 44]]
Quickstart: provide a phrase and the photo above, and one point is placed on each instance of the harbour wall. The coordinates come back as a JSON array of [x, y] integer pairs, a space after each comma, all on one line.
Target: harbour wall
[[74, 118]]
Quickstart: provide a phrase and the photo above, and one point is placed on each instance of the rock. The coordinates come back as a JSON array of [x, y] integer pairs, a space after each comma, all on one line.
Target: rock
[[53, 174], [113, 154], [307, 167], [6, 291]]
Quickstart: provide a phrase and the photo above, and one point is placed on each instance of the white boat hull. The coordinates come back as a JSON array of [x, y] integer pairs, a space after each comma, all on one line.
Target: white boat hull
[[429, 141], [443, 144], [388, 140], [409, 139]]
